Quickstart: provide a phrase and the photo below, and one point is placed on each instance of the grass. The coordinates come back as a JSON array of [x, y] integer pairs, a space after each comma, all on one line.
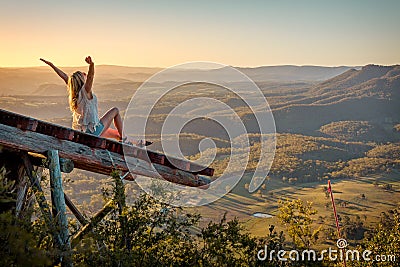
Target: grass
[[241, 204]]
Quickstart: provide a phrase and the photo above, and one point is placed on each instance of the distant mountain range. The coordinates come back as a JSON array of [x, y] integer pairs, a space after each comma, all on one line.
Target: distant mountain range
[[42, 80], [294, 73]]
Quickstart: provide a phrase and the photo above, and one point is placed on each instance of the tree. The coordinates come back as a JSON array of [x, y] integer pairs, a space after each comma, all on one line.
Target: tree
[[152, 233], [19, 236], [147, 233], [387, 187], [384, 239], [297, 218], [352, 229]]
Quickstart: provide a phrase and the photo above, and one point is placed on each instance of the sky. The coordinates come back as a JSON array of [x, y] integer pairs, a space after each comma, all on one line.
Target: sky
[[166, 33]]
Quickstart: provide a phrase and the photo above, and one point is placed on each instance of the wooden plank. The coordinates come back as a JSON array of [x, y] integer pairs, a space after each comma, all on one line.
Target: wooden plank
[[188, 166], [92, 159], [30, 124]]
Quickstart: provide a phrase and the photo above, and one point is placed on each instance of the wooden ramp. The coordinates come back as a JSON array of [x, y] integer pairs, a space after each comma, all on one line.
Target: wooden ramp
[[95, 154]]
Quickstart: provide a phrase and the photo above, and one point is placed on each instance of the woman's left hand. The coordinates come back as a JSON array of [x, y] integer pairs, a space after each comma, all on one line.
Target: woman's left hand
[[88, 60]]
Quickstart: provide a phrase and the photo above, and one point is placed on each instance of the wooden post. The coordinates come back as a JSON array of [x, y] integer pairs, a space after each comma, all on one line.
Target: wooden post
[[58, 204]]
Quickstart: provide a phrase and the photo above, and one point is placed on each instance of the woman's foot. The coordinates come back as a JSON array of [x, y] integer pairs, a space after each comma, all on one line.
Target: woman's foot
[[138, 143], [142, 143]]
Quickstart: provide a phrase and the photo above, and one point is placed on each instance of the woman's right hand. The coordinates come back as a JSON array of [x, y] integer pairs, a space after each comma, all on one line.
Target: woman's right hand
[[45, 61], [89, 60]]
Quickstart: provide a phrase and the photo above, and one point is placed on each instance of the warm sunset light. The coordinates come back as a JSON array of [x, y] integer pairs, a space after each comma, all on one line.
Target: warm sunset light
[[165, 33], [200, 133]]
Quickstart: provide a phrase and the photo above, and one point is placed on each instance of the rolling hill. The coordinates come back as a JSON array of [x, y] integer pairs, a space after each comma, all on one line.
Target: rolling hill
[[370, 94], [39, 80]]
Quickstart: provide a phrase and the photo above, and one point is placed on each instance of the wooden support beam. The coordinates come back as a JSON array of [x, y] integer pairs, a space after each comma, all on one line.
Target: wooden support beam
[[66, 165], [108, 207], [93, 159], [24, 199], [78, 215], [58, 205], [57, 194], [22, 190], [40, 198]]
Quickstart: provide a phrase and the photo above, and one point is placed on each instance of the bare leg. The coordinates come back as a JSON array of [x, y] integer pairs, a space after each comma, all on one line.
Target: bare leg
[[110, 133], [112, 116]]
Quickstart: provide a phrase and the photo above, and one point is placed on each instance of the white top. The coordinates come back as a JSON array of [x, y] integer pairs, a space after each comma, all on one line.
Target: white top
[[86, 115]]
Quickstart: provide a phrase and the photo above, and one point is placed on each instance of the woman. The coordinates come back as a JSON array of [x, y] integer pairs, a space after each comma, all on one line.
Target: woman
[[83, 104]]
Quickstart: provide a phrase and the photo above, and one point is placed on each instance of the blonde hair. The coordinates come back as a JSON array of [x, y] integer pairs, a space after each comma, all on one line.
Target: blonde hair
[[75, 84]]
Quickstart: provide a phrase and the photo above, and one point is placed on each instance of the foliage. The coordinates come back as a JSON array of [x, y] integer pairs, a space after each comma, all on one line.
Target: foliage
[[352, 229], [147, 233], [18, 236], [298, 218], [348, 130], [151, 233], [364, 166], [303, 159], [387, 151], [7, 191], [383, 240]]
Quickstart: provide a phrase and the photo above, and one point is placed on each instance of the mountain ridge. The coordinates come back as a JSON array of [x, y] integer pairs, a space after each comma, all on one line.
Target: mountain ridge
[[369, 94], [27, 80]]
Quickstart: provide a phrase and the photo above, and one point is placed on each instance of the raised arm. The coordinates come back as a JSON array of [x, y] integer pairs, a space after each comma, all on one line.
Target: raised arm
[[90, 75], [57, 70]]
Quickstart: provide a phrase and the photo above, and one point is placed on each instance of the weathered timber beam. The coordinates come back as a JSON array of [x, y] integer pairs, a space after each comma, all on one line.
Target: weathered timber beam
[[93, 159], [22, 190], [58, 205], [40, 198], [66, 165], [63, 133], [78, 215]]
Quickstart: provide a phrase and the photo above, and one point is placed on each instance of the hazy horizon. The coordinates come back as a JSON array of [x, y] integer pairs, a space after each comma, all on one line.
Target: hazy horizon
[[158, 67]]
